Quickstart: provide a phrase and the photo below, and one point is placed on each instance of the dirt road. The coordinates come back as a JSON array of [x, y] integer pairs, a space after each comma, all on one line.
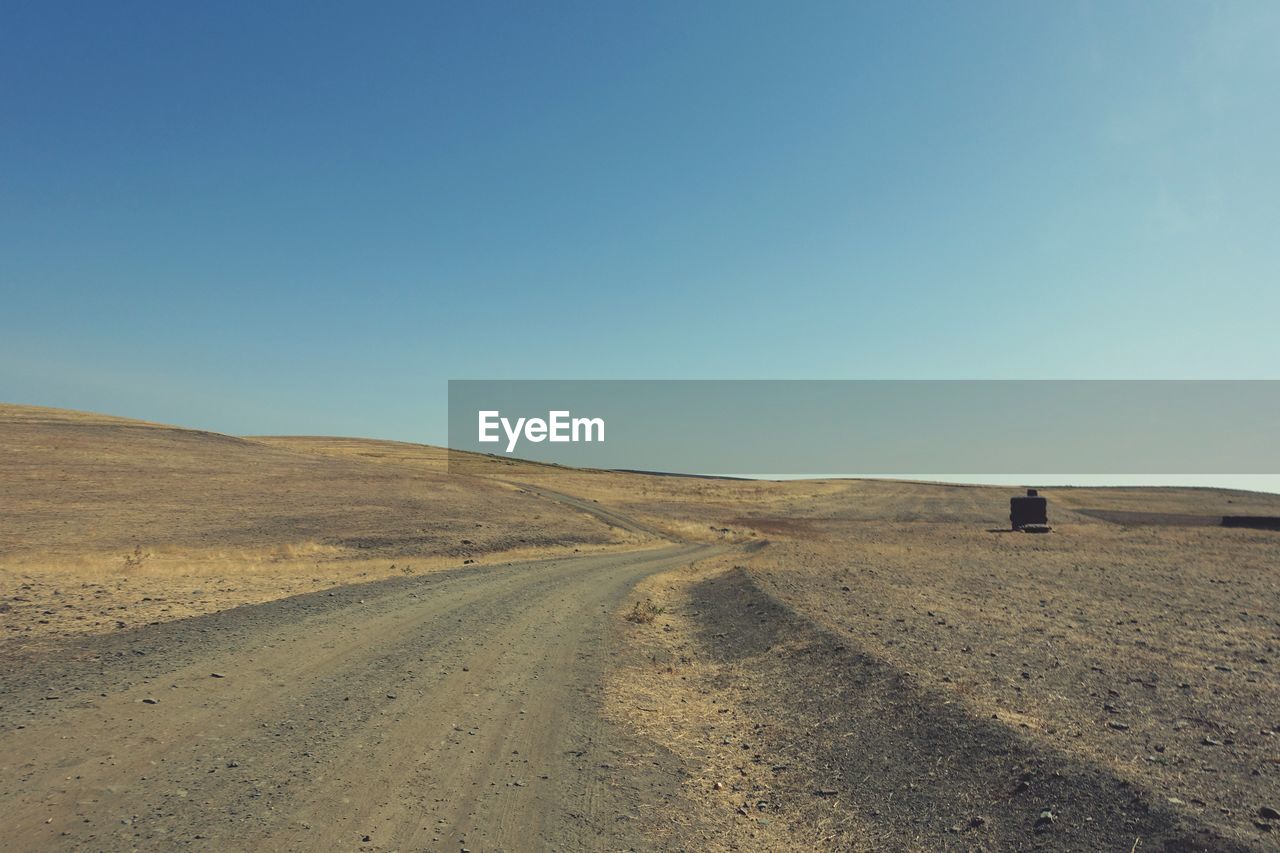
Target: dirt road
[[444, 711]]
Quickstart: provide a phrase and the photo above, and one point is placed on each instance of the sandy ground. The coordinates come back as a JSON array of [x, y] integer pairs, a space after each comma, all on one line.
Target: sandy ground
[[407, 658]]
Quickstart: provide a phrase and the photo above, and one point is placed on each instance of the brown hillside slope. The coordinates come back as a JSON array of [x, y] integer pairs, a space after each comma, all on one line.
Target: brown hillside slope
[[110, 522]]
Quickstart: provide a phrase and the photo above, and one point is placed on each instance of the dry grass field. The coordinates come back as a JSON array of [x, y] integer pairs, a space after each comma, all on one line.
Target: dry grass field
[[110, 523], [827, 664]]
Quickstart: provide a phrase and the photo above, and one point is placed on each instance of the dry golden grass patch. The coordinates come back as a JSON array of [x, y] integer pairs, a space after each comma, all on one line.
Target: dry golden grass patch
[[681, 700], [644, 612], [95, 593], [1191, 501]]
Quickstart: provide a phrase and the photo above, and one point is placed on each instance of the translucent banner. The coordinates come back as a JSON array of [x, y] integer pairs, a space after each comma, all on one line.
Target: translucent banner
[[868, 427]]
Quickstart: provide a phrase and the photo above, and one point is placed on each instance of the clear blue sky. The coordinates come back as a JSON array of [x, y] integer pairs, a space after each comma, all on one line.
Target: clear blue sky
[[270, 217]]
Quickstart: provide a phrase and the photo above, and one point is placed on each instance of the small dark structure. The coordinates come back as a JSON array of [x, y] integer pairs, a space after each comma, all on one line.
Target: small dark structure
[[1257, 522], [1029, 514]]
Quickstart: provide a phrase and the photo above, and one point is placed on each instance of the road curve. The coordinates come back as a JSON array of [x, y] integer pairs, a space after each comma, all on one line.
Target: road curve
[[449, 710], [592, 508]]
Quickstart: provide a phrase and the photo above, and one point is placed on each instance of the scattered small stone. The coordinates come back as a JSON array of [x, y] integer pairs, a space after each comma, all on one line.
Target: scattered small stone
[[216, 675], [1118, 726], [1046, 819], [1268, 813], [826, 792], [150, 701], [1208, 741]]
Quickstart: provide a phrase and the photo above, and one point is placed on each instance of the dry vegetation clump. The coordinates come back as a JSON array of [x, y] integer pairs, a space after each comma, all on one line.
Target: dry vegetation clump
[[135, 560], [644, 612]]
